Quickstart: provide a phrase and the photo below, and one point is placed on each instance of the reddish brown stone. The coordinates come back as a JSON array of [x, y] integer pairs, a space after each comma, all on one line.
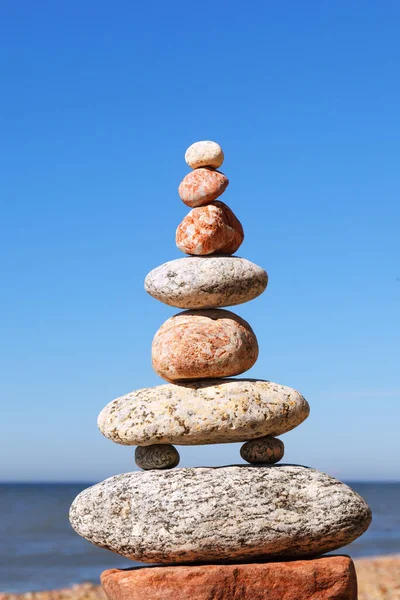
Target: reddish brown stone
[[326, 578], [202, 344], [210, 229], [202, 186]]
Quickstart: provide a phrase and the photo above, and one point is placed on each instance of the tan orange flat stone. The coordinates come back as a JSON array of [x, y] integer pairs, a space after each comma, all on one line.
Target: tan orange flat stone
[[326, 578]]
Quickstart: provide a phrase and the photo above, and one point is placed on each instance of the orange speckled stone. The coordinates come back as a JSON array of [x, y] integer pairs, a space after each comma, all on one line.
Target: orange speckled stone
[[200, 344], [202, 186], [210, 229]]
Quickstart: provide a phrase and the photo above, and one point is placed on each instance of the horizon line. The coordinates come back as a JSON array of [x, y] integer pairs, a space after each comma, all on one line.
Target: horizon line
[[87, 482]]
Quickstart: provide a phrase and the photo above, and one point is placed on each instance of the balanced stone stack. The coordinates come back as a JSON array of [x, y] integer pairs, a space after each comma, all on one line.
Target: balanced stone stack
[[236, 521]]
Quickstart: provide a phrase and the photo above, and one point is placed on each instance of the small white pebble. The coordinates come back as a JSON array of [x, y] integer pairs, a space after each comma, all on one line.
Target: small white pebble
[[204, 154]]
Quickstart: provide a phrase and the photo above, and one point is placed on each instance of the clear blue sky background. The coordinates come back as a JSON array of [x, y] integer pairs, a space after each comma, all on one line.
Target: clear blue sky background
[[99, 101]]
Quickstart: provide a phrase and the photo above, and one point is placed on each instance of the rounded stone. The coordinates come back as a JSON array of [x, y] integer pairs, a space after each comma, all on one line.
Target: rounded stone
[[265, 450], [202, 186], [157, 456], [211, 229], [204, 154], [206, 282], [211, 411], [228, 513], [202, 344]]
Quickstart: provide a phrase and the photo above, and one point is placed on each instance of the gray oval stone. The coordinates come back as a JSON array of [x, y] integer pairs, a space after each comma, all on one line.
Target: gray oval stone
[[158, 456], [206, 281], [212, 411], [227, 513], [265, 450]]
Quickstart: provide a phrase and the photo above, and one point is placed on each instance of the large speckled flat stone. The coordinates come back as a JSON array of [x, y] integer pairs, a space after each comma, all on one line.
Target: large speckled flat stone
[[201, 344], [228, 513], [203, 412], [206, 282]]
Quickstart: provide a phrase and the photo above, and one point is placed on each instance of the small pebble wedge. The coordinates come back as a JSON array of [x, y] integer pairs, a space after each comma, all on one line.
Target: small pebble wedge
[[211, 229], [206, 282], [158, 456], [228, 513], [202, 186], [204, 154], [203, 412], [200, 344], [266, 450]]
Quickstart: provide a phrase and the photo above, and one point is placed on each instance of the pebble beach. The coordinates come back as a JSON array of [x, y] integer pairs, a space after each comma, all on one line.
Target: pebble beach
[[378, 579]]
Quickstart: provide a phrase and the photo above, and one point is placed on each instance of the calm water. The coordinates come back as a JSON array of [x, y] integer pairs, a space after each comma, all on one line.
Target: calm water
[[39, 550]]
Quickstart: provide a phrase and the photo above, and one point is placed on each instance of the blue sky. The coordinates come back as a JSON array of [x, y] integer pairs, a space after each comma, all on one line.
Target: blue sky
[[98, 104]]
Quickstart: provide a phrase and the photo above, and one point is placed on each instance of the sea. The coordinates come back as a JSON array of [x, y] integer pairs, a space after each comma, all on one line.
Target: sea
[[40, 551]]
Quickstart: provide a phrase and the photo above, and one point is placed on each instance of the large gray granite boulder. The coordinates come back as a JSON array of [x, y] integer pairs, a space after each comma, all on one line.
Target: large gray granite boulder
[[226, 513], [212, 411]]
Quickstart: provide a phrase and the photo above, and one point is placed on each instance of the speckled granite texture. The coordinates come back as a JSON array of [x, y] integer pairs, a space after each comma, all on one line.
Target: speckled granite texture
[[206, 282], [203, 412], [227, 513]]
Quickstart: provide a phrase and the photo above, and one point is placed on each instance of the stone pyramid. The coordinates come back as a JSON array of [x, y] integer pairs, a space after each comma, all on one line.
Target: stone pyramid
[[235, 521]]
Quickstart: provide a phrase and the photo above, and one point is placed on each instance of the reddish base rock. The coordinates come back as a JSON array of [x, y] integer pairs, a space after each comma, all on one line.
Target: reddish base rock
[[326, 578]]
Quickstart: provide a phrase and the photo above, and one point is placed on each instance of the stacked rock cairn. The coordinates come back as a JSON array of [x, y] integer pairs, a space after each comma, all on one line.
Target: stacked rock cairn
[[252, 531]]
